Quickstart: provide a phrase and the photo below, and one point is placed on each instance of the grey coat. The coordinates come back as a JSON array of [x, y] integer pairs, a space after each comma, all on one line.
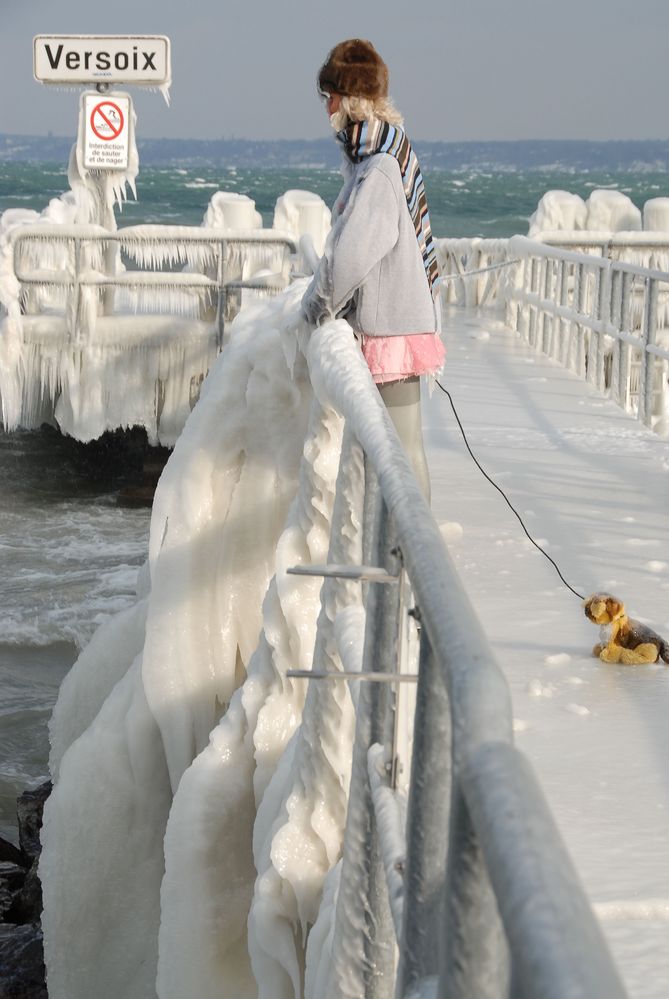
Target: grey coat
[[372, 270]]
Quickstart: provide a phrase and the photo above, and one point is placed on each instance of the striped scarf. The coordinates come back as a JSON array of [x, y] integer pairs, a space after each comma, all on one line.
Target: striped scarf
[[365, 138]]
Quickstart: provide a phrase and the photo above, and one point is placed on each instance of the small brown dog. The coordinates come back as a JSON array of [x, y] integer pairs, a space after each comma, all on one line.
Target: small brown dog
[[623, 640]]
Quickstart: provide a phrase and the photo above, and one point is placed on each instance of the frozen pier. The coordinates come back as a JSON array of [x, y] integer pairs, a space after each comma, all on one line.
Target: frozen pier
[[592, 486], [291, 824]]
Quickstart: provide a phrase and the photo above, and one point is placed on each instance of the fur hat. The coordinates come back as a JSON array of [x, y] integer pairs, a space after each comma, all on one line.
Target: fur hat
[[354, 68]]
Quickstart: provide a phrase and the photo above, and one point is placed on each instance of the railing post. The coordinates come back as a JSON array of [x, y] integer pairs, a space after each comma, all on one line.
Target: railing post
[[625, 349], [546, 320], [616, 319], [427, 826], [596, 349], [75, 310], [519, 298], [563, 345], [220, 301], [649, 333], [364, 956], [475, 961], [533, 309], [578, 362]]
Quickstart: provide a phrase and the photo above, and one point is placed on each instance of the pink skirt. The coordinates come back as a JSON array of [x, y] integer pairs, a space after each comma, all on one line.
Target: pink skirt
[[393, 358]]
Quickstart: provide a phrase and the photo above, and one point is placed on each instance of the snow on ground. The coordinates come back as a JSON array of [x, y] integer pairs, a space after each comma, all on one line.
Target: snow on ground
[[592, 486]]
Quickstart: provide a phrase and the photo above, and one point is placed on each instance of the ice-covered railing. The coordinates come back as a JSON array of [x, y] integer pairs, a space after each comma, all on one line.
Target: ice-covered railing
[[458, 257], [645, 249], [220, 855], [107, 329], [182, 270], [604, 319], [448, 891]]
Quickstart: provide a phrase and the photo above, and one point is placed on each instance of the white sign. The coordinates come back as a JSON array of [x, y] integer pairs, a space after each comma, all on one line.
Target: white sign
[[106, 131], [142, 59]]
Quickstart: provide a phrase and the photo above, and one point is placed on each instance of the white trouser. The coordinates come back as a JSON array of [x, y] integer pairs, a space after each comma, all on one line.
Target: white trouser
[[402, 400]]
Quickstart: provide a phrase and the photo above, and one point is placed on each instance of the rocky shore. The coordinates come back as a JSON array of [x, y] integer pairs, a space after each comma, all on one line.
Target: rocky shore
[[21, 952]]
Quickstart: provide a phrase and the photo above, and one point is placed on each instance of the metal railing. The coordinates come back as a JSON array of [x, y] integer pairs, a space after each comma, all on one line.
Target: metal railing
[[480, 898], [173, 261], [599, 318], [458, 257]]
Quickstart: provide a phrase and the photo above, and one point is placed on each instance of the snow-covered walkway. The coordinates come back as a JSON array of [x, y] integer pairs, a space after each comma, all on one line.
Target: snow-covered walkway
[[592, 486]]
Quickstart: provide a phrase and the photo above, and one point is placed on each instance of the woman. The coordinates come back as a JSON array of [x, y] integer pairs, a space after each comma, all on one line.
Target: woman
[[379, 267]]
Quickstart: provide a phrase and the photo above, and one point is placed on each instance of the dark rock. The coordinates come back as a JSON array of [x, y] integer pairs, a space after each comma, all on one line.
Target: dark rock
[[10, 853], [6, 899], [29, 808], [22, 974], [136, 496], [26, 905], [12, 876]]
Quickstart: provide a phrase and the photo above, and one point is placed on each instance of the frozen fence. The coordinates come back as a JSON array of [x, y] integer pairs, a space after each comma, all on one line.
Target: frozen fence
[[458, 257], [107, 329], [476, 890], [604, 319], [179, 270]]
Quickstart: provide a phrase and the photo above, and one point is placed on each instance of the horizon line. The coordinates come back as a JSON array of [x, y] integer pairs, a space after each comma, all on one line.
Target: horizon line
[[326, 138]]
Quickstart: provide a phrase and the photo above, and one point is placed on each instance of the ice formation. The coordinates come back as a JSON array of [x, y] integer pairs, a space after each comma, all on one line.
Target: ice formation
[[230, 210], [656, 215], [612, 211], [93, 358], [605, 211], [303, 213], [193, 783], [558, 210], [90, 356]]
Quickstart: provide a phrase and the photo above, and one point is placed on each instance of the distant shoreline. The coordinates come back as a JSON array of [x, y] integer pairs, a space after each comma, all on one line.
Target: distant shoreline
[[567, 154]]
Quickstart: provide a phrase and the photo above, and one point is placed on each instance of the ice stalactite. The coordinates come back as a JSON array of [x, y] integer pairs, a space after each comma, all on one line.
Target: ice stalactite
[[14, 372], [220, 508], [299, 829], [192, 839], [230, 485], [203, 948], [102, 858], [101, 665]]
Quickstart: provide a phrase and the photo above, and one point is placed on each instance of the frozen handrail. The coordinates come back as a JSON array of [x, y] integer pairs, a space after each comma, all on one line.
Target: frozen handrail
[[599, 317], [505, 853]]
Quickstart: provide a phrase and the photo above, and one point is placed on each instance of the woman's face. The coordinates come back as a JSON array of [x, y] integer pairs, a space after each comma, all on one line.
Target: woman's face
[[332, 104]]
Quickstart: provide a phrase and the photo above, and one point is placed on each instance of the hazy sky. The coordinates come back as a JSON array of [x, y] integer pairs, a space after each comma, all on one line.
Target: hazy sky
[[475, 69]]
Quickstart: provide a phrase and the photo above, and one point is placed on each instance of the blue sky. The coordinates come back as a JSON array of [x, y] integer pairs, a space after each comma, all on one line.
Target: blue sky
[[476, 69]]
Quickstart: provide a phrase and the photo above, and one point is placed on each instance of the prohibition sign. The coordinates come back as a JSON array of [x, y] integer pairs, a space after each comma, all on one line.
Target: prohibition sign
[[107, 120]]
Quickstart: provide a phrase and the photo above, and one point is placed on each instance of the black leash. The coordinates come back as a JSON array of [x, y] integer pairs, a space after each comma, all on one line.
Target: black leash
[[506, 498]]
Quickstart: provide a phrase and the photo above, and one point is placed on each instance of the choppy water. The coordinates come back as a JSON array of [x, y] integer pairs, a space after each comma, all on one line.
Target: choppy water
[[68, 554], [69, 557], [462, 203]]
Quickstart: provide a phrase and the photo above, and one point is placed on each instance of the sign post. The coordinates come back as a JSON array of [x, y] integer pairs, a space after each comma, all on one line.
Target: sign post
[[105, 152]]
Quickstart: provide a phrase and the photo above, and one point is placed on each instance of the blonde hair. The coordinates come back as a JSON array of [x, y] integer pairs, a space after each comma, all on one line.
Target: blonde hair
[[364, 109]]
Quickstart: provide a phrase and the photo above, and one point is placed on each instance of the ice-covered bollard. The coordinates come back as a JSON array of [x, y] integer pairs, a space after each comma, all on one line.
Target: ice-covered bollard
[[656, 215], [236, 213], [303, 213], [229, 210], [558, 211], [612, 211]]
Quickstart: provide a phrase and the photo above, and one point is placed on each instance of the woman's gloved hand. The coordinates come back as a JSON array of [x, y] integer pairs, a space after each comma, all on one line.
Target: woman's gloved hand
[[314, 308]]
